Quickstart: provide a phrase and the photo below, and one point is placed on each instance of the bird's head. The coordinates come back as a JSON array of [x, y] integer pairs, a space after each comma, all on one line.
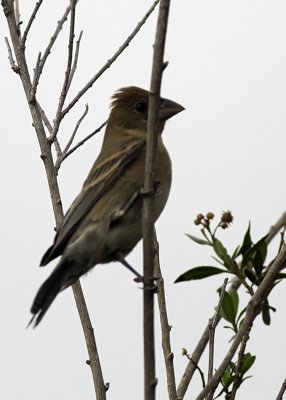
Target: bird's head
[[129, 109]]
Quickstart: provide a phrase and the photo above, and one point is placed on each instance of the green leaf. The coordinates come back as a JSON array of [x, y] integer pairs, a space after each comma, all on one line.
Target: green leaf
[[197, 240], [247, 363], [222, 253], [229, 307], [260, 255], [235, 253], [199, 273], [247, 242], [240, 315], [219, 249], [261, 247], [235, 301]]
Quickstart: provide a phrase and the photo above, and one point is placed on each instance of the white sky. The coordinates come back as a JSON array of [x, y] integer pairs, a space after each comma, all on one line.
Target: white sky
[[227, 67]]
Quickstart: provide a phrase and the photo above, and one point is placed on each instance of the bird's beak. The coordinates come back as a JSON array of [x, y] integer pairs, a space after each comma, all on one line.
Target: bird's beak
[[168, 109]]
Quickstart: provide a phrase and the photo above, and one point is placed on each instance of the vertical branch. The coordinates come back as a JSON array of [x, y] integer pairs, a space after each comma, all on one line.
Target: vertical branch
[[46, 155], [212, 326], [94, 362], [237, 380], [165, 326], [148, 244]]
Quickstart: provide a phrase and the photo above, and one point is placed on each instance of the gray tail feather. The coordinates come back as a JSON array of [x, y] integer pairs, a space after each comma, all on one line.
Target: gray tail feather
[[47, 294]]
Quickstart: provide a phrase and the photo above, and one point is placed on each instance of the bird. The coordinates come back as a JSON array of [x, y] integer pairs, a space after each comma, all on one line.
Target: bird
[[104, 223]]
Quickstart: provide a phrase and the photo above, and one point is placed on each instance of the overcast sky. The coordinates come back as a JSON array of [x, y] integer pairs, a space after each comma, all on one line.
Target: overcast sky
[[227, 66]]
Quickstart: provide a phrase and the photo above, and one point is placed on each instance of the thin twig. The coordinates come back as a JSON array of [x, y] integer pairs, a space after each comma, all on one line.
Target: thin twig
[[75, 130], [148, 226], [36, 78], [276, 228], [29, 24], [100, 387], [185, 353], [165, 326], [212, 326], [45, 118], [76, 54], [13, 65], [63, 155], [65, 87], [84, 140], [47, 52], [203, 341], [237, 380], [281, 391], [251, 312], [111, 60]]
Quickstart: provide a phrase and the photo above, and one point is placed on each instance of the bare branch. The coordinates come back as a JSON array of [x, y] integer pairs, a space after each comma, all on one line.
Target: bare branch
[[100, 387], [165, 326], [237, 380], [276, 228], [281, 391], [13, 65], [63, 155], [84, 140], [212, 326], [251, 312], [46, 154], [111, 60], [65, 87], [36, 78], [47, 52], [45, 118], [148, 226], [75, 60], [29, 24]]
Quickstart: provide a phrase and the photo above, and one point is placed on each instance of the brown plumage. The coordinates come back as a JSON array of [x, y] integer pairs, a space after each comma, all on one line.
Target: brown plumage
[[104, 223]]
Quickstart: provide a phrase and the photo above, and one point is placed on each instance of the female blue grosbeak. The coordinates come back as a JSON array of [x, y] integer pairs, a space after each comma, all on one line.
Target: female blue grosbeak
[[104, 222]]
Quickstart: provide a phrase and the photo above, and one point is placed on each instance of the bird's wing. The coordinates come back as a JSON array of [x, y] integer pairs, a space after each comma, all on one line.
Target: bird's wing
[[99, 180]]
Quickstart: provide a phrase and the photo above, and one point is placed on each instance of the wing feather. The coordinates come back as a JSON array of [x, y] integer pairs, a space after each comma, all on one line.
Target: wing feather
[[97, 183]]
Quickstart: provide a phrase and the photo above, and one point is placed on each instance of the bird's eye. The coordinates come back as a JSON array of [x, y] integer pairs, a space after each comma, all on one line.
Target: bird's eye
[[141, 106]]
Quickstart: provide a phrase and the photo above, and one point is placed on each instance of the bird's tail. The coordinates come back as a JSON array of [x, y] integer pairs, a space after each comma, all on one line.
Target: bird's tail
[[48, 292]]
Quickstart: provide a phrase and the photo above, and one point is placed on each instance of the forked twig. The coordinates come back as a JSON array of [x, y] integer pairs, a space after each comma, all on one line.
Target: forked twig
[[47, 52], [84, 140], [63, 155]]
